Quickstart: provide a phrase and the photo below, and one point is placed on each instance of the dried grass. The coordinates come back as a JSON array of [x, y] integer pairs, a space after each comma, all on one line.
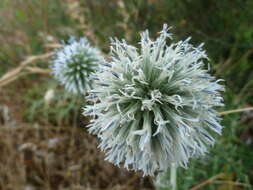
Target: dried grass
[[23, 69], [43, 157]]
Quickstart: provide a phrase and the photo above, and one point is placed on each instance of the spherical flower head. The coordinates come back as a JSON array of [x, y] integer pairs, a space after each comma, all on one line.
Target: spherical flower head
[[154, 106], [73, 64]]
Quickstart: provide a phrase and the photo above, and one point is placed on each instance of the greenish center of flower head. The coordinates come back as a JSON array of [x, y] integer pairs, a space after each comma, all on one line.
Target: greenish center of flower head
[[80, 66], [74, 63]]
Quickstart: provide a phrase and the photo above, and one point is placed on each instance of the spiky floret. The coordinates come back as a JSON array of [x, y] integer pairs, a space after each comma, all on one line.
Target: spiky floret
[[154, 106], [73, 64]]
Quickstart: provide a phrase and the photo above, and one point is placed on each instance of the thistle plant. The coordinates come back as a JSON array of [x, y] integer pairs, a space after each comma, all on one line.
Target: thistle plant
[[153, 107], [73, 64]]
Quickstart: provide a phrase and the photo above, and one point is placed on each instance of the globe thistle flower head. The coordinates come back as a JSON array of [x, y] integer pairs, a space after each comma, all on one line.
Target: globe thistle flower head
[[73, 64], [154, 106]]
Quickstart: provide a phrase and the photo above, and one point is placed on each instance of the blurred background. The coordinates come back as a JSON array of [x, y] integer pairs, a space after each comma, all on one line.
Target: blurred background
[[43, 141]]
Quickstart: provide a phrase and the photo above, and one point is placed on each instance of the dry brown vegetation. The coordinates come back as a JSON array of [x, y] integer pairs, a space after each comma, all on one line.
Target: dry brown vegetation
[[44, 157]]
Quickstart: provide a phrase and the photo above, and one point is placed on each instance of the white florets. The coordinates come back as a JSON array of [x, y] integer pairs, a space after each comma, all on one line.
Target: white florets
[[154, 106], [73, 64]]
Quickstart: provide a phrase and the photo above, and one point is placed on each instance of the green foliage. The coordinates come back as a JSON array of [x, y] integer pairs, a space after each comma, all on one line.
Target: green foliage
[[27, 24], [229, 156], [63, 109]]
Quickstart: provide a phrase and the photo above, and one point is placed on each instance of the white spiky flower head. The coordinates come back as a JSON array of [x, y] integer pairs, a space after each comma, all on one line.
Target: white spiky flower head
[[154, 106], [73, 64]]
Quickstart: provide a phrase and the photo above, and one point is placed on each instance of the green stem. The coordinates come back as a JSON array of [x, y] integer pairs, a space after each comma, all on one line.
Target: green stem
[[173, 176]]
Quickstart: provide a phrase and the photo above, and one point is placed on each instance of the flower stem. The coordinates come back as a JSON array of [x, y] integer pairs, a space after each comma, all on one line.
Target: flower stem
[[173, 176], [236, 111]]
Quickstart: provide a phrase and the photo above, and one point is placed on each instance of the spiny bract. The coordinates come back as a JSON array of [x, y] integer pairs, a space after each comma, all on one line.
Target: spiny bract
[[73, 64], [154, 106]]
